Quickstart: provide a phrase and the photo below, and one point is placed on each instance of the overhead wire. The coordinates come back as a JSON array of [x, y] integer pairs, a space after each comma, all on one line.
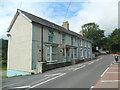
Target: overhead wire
[[67, 11]]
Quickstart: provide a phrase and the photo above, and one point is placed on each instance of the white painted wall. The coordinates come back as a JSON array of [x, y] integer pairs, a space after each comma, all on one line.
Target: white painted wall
[[20, 45]]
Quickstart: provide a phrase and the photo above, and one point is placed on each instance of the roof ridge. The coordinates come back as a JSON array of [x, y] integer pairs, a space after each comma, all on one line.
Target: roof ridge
[[38, 17], [65, 30]]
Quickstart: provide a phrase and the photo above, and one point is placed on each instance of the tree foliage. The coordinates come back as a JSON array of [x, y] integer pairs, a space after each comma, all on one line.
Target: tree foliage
[[114, 40], [3, 49], [111, 42], [93, 32]]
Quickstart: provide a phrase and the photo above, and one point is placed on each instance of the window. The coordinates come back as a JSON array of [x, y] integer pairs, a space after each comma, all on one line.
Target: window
[[80, 42], [88, 52], [89, 45], [63, 38], [63, 52], [72, 55], [85, 43], [75, 52], [53, 53], [48, 51], [72, 41], [81, 52], [67, 52], [50, 36], [85, 53]]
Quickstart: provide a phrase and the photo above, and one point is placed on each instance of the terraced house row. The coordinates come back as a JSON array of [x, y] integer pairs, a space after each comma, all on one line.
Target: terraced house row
[[33, 40]]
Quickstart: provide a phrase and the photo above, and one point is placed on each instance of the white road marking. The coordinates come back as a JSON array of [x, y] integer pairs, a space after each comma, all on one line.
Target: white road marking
[[18, 82], [21, 87], [96, 60], [104, 71], [91, 62], [79, 67], [91, 87], [69, 68], [53, 74], [26, 80], [99, 59], [72, 68], [110, 81], [47, 81], [42, 80]]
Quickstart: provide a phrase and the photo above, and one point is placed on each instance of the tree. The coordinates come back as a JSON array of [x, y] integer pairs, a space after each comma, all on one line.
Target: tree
[[94, 33], [3, 49], [115, 41]]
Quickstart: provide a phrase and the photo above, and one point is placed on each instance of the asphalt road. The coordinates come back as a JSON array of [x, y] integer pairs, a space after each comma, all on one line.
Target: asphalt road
[[83, 75]]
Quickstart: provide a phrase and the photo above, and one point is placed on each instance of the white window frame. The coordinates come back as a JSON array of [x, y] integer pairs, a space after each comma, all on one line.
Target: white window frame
[[63, 38], [51, 54], [51, 35], [76, 55], [81, 52]]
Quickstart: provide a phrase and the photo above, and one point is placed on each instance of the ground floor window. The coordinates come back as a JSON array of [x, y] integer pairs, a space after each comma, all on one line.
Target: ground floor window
[[85, 53], [75, 52], [63, 51], [48, 56], [50, 53], [72, 53], [81, 52], [68, 53], [88, 52], [53, 53]]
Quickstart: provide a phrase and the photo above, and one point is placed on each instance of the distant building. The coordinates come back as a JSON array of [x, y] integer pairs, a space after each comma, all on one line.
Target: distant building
[[33, 40]]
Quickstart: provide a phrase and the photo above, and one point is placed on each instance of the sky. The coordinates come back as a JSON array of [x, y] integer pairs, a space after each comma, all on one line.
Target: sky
[[102, 12]]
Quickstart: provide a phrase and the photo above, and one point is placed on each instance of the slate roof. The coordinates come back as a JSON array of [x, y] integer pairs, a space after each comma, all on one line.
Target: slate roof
[[47, 23]]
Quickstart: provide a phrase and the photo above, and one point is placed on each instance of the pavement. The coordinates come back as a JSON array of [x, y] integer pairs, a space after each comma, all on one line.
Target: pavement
[[82, 75], [110, 77]]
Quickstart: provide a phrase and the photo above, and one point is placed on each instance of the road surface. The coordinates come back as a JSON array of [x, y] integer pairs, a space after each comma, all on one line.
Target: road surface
[[83, 75]]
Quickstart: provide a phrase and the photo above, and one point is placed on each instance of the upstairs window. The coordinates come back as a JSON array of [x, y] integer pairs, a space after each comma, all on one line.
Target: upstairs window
[[63, 38], [85, 43], [81, 42], [72, 41], [89, 45], [78, 42], [51, 36]]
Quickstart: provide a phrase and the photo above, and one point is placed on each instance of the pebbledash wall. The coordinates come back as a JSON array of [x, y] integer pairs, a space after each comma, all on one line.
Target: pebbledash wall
[[24, 45]]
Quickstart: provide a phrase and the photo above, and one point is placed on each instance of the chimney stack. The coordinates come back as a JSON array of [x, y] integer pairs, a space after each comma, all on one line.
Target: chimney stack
[[81, 32], [65, 25]]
